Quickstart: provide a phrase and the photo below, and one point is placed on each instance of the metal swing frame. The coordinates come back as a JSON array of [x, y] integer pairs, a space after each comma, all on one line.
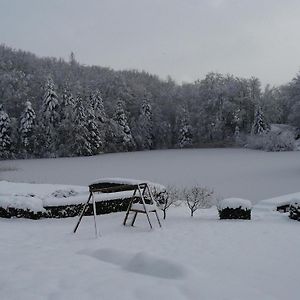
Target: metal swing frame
[[141, 195]]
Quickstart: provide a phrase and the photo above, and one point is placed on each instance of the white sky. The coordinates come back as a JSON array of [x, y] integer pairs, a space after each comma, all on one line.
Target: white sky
[[182, 38]]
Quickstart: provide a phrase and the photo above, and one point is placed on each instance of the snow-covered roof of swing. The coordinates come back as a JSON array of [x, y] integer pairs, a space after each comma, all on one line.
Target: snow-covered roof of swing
[[126, 183]]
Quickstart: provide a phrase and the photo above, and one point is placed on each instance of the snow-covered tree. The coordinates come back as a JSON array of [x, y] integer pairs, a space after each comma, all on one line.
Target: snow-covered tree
[[166, 198], [49, 119], [26, 129], [80, 144], [50, 103], [144, 126], [185, 136], [260, 126], [67, 103], [198, 197], [97, 122], [66, 125], [98, 106], [124, 137], [95, 137], [5, 138]]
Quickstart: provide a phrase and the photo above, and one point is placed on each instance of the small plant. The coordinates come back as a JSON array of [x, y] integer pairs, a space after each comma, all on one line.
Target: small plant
[[197, 197]]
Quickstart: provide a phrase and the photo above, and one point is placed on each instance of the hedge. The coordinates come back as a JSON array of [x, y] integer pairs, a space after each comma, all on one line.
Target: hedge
[[235, 213], [65, 211]]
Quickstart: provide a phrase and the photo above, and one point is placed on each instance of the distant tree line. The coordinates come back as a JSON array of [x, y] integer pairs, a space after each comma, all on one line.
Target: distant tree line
[[50, 107]]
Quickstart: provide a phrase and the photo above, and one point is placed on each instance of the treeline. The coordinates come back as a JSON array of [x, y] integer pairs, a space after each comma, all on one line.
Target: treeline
[[50, 107]]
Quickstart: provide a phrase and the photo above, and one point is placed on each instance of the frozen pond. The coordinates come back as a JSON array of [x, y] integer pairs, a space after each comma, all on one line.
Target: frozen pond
[[249, 174]]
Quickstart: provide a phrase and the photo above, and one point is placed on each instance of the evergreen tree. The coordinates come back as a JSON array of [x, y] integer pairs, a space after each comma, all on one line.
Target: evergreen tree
[[5, 138], [26, 129], [146, 124], [97, 122], [185, 137], [50, 103], [67, 103], [98, 107], [80, 144], [94, 135], [66, 126], [260, 125], [124, 137], [50, 118]]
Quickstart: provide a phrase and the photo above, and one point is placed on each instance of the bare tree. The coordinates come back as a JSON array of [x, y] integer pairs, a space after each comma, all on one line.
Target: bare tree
[[166, 198], [197, 197]]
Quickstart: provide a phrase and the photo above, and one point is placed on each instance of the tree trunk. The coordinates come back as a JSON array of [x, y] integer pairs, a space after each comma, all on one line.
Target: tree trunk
[[165, 213]]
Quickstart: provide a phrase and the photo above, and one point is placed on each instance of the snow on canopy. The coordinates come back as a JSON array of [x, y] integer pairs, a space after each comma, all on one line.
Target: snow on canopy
[[128, 181], [234, 203]]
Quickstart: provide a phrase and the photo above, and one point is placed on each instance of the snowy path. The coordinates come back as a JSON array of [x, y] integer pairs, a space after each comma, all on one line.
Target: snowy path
[[199, 258]]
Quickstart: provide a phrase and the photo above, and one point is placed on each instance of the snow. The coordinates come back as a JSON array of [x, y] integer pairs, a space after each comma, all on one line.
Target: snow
[[244, 173], [36, 196], [128, 181], [28, 201], [234, 203], [295, 203], [189, 258]]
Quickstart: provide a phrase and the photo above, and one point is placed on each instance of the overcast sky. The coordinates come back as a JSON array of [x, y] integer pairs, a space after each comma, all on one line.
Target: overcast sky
[[184, 39]]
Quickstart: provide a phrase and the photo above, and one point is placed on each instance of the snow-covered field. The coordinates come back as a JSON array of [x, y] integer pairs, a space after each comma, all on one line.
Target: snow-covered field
[[189, 258], [249, 174]]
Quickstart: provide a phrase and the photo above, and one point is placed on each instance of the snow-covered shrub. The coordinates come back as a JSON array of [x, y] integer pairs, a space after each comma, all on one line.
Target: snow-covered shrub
[[198, 197], [165, 198], [21, 206], [235, 208], [272, 141], [295, 209]]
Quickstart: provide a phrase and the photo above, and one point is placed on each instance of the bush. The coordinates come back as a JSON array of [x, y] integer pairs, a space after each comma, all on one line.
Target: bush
[[66, 211], [272, 141], [295, 209], [234, 208]]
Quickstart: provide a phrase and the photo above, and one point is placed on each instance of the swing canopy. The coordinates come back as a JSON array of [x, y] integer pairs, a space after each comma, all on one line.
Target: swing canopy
[[114, 185]]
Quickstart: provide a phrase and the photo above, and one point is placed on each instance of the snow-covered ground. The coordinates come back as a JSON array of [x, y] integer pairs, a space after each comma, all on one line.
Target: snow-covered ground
[[242, 173], [189, 258]]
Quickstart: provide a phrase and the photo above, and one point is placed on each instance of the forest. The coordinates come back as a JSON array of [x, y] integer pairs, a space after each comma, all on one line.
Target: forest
[[51, 107]]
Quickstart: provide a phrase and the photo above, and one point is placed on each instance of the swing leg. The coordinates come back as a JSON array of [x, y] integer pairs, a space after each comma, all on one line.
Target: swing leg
[[157, 218], [94, 209], [134, 217], [82, 213], [129, 207]]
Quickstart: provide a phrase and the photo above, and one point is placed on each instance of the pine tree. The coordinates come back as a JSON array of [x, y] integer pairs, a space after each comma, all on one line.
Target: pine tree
[[94, 135], [50, 103], [124, 137], [260, 126], [5, 138], [145, 124], [97, 122], [50, 118], [67, 103], [26, 129], [66, 126], [185, 137], [80, 144], [98, 106]]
